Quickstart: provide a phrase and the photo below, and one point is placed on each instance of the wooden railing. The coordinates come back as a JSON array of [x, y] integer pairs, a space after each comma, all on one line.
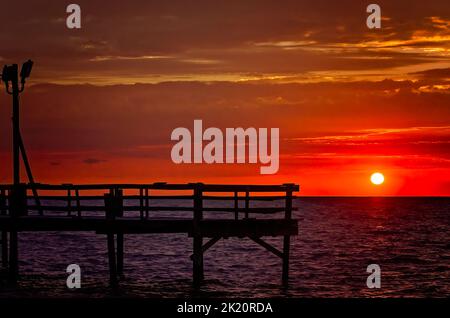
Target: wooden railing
[[72, 199]]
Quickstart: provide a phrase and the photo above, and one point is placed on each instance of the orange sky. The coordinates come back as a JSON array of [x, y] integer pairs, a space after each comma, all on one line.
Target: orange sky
[[349, 101]]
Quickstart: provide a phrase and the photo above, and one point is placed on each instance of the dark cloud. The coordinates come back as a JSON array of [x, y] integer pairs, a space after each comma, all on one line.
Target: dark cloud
[[440, 73], [93, 161], [139, 38]]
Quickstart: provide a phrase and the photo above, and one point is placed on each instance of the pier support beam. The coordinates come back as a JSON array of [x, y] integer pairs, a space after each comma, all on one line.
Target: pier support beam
[[120, 239], [112, 260], [198, 273], [114, 208], [18, 202], [4, 235], [287, 239], [5, 259]]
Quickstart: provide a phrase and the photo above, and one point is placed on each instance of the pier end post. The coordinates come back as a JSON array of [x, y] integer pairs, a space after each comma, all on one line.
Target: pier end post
[[198, 273], [4, 235], [4, 249], [120, 236], [110, 216], [287, 238], [112, 260], [18, 207]]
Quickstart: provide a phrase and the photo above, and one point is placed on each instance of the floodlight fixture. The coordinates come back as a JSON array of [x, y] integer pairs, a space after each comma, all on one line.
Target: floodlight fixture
[[26, 70]]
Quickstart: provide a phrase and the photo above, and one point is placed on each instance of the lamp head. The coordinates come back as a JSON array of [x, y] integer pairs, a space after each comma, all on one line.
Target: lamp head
[[26, 70], [5, 74]]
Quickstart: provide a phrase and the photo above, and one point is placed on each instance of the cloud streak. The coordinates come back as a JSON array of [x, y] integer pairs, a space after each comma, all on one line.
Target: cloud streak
[[223, 41]]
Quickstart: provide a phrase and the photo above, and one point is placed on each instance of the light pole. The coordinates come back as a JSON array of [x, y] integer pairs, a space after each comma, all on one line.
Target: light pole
[[10, 76]]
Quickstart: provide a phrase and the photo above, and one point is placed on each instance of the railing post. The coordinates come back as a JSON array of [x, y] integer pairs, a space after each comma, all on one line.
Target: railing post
[[68, 187], [287, 238], [198, 274], [18, 200], [141, 203], [69, 202], [247, 203], [77, 195], [236, 205], [3, 208], [146, 202], [114, 204]]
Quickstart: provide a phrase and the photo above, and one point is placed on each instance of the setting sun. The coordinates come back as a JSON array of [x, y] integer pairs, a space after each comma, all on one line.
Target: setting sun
[[377, 178]]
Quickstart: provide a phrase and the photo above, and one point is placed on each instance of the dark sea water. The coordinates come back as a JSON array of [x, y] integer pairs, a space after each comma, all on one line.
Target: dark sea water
[[409, 238]]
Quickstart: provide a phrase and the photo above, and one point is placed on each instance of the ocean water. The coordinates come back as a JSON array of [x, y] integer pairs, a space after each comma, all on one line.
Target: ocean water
[[409, 238]]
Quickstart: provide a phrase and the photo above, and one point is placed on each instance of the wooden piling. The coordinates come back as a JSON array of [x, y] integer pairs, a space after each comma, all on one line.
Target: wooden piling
[[111, 209], [120, 242], [118, 207], [4, 236], [5, 258], [18, 202], [198, 273], [112, 260], [287, 239]]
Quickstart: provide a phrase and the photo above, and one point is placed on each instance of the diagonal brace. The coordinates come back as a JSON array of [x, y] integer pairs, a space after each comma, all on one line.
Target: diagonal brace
[[267, 246], [207, 245], [30, 174]]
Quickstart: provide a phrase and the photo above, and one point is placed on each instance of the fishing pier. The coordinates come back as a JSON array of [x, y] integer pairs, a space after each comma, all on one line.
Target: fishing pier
[[115, 210]]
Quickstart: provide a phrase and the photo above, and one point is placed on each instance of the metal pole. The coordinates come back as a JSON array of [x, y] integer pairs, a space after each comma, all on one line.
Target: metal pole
[[13, 245], [16, 124]]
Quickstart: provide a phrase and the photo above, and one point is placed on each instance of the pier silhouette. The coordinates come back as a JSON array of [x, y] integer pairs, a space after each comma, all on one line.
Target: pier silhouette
[[118, 209]]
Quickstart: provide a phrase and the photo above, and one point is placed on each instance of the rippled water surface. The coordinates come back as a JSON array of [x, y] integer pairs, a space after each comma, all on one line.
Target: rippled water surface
[[408, 237]]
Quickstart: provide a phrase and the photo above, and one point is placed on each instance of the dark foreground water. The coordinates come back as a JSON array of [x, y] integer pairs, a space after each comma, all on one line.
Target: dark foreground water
[[408, 237]]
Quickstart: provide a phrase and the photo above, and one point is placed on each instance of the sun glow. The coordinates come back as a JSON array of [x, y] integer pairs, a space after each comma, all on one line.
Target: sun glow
[[377, 178]]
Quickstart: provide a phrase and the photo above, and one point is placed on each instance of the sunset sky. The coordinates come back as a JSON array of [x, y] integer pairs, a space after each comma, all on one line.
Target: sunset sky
[[103, 100]]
